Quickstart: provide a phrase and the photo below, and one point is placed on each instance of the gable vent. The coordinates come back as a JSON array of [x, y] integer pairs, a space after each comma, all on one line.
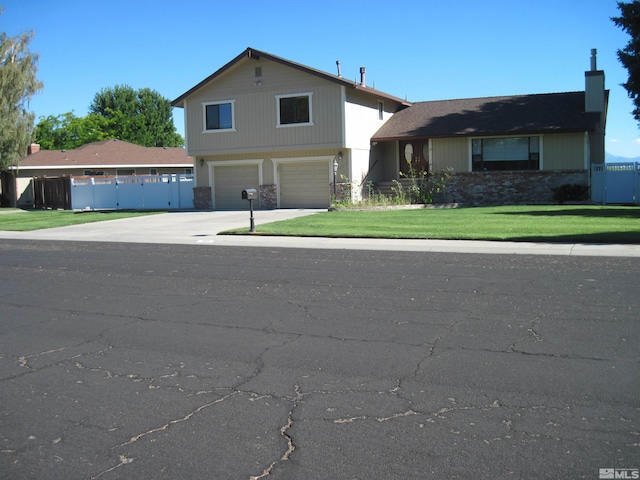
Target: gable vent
[[258, 72]]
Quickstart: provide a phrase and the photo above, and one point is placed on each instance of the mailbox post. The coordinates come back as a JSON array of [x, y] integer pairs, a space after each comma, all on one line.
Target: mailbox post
[[250, 194]]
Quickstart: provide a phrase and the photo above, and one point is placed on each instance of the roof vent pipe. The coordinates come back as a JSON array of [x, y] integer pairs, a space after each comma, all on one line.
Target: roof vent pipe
[[338, 65], [363, 70], [594, 52]]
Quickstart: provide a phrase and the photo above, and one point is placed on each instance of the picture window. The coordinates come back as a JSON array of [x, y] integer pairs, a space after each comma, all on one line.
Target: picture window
[[509, 153]]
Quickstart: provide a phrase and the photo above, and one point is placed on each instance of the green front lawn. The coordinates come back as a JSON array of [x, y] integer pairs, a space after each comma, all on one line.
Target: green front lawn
[[25, 220], [574, 224]]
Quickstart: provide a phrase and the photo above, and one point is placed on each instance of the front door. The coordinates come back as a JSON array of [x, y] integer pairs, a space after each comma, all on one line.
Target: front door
[[416, 154]]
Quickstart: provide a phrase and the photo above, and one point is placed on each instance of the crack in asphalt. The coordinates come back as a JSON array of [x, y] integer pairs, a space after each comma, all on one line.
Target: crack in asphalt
[[283, 432], [173, 422], [297, 399], [123, 461]]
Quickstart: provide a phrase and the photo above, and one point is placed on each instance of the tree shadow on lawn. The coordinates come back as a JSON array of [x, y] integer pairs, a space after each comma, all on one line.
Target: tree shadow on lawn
[[629, 238], [605, 212]]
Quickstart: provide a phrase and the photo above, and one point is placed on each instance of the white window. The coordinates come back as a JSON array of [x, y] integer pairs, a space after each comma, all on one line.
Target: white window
[[294, 109], [219, 116]]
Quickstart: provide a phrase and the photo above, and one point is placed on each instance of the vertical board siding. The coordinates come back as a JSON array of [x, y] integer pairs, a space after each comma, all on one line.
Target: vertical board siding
[[563, 151], [255, 110], [450, 152]]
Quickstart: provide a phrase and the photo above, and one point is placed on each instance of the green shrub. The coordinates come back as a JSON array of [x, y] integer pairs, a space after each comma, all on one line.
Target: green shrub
[[424, 186], [571, 192]]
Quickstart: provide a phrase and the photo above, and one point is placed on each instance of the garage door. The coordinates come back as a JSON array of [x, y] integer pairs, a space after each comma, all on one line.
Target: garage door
[[229, 181], [304, 185]]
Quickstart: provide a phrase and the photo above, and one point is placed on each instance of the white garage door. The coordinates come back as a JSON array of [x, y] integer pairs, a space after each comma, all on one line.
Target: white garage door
[[304, 185], [229, 181]]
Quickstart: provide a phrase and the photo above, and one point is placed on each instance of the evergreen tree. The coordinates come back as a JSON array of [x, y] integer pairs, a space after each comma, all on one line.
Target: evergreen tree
[[629, 56]]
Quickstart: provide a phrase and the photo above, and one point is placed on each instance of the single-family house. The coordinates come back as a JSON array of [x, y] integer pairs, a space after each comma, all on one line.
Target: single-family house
[[96, 159], [297, 134], [279, 127]]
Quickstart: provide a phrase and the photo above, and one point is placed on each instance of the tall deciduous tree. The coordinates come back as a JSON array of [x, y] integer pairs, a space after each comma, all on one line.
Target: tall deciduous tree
[[143, 117], [18, 84], [66, 131], [629, 56]]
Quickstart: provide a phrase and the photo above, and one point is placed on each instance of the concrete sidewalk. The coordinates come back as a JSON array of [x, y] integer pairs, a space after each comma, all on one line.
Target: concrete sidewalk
[[202, 228]]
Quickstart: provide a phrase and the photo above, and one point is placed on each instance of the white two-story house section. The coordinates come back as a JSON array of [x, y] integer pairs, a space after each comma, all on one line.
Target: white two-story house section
[[268, 123]]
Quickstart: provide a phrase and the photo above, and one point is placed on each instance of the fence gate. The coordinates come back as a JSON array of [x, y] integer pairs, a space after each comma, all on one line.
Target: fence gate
[[52, 192], [616, 183]]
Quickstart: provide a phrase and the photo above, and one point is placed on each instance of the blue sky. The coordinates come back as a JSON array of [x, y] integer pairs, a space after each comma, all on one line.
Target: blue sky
[[421, 50]]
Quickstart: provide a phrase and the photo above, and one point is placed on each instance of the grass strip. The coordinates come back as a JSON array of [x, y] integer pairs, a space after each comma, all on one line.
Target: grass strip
[[572, 224], [27, 220]]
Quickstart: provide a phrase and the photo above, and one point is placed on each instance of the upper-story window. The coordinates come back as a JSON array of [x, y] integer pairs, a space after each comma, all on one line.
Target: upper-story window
[[509, 153], [294, 109], [380, 110], [218, 116]]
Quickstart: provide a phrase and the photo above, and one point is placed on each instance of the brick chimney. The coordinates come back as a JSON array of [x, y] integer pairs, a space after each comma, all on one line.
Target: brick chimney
[[33, 148]]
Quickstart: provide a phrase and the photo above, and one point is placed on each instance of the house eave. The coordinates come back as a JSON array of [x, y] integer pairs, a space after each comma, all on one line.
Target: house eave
[[105, 166], [480, 134], [257, 55]]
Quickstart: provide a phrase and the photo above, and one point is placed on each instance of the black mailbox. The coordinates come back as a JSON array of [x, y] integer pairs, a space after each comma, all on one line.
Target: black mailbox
[[249, 194]]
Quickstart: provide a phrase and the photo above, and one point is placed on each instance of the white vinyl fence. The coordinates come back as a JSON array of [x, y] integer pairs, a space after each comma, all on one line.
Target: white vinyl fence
[[148, 192], [616, 183]]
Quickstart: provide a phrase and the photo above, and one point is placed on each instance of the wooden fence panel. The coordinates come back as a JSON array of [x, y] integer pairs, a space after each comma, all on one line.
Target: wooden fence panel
[[52, 192]]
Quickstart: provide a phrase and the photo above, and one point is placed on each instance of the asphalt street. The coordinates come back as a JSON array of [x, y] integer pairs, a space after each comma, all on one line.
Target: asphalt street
[[157, 361]]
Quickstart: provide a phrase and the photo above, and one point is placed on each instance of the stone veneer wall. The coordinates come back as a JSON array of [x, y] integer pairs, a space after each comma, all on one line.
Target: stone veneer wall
[[202, 198], [268, 197], [504, 188]]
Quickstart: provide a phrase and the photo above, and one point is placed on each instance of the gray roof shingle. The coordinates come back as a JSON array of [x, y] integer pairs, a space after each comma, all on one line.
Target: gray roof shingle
[[518, 114]]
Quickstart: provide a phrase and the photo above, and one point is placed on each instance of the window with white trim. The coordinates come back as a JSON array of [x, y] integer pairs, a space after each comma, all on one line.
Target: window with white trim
[[507, 153], [294, 109], [219, 116]]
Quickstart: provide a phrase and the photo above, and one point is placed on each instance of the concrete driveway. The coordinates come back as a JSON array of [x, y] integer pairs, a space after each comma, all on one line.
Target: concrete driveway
[[185, 227]]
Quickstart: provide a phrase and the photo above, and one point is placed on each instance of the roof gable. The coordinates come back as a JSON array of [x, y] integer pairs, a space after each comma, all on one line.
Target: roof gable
[[107, 153], [519, 114], [251, 53]]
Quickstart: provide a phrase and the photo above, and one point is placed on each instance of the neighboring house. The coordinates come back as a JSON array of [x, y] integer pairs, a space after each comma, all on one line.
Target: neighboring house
[[268, 123], [105, 158]]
